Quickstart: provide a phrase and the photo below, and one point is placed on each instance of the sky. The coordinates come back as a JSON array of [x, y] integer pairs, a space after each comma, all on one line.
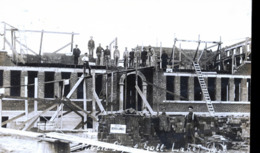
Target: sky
[[133, 22]]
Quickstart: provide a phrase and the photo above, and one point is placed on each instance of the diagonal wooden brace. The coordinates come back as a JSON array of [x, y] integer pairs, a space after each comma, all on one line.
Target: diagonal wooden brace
[[145, 100]]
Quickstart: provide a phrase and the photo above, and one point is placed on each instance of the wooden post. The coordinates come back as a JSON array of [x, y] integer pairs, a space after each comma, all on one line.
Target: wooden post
[[173, 54], [125, 101], [160, 55], [72, 39], [85, 102], [40, 50], [26, 95], [93, 90], [1, 110], [112, 84], [136, 94], [35, 95], [93, 99], [107, 91], [4, 36]]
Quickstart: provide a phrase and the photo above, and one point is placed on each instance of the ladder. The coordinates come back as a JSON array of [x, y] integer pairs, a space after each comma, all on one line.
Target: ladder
[[204, 88]]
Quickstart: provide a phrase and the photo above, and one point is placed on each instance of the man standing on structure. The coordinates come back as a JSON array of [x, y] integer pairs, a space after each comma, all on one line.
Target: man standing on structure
[[150, 55], [76, 53], [91, 46], [132, 56], [190, 127], [99, 52], [107, 56], [126, 54], [116, 55], [138, 57], [85, 60], [164, 59], [144, 57]]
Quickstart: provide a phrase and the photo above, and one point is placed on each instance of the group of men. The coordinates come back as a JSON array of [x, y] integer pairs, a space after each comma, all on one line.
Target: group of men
[[137, 55], [140, 57], [190, 128], [99, 51]]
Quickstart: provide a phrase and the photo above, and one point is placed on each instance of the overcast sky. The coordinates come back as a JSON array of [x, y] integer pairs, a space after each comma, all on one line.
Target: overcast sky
[[134, 22]]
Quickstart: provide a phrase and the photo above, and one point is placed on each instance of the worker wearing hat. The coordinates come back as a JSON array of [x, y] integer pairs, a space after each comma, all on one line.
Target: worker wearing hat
[[85, 60], [164, 128], [190, 127]]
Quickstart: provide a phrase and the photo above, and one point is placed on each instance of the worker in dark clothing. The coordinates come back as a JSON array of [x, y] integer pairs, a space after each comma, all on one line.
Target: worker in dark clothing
[[76, 53], [132, 57], [190, 127], [164, 58], [164, 128], [144, 57], [107, 56], [85, 60], [91, 46], [99, 52]]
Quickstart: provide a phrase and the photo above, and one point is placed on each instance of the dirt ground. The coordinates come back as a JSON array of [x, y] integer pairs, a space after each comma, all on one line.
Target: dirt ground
[[15, 144]]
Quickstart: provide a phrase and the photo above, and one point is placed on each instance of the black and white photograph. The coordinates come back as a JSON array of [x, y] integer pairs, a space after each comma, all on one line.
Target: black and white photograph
[[125, 76]]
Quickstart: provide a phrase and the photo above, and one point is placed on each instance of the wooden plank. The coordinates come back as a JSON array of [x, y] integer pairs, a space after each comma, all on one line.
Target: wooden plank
[[34, 119], [56, 112], [99, 103], [112, 85], [53, 32], [85, 101], [144, 100], [12, 119], [40, 49], [90, 115], [26, 95], [26, 47], [67, 112], [1, 107], [95, 143], [20, 133], [62, 48], [75, 86]]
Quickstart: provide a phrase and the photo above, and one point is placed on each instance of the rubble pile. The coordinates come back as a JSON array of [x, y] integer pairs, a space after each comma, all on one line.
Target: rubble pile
[[144, 130]]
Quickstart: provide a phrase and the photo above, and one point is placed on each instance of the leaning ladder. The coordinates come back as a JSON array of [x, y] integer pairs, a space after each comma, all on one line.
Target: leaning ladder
[[204, 88]]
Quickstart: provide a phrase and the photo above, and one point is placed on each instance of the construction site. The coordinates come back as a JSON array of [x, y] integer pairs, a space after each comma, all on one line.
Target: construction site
[[51, 104]]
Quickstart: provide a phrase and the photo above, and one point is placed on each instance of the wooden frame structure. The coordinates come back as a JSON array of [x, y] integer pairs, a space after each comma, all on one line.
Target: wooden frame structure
[[17, 57]]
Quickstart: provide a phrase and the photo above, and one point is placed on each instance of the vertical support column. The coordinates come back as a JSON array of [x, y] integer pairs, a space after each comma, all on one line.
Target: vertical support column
[[218, 89], [26, 95], [85, 102], [73, 80], [231, 85], [145, 94], [4, 36], [57, 84], [121, 97], [41, 84], [191, 88], [177, 87], [23, 75], [72, 39], [7, 81], [1, 110], [35, 96], [40, 49], [244, 90], [160, 55], [112, 92], [95, 124]]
